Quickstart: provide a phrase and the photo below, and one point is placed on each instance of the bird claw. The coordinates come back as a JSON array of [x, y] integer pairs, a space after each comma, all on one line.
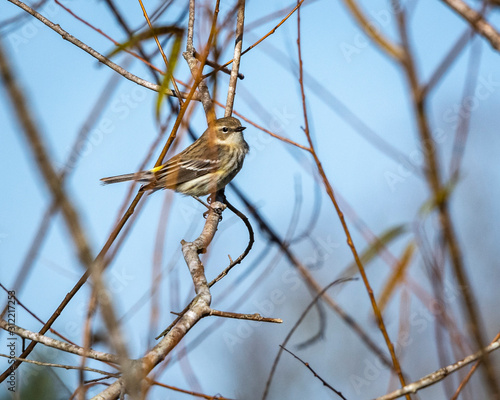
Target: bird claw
[[205, 215]]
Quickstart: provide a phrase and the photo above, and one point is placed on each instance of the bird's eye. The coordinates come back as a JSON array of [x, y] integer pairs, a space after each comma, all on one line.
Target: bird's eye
[[224, 129]]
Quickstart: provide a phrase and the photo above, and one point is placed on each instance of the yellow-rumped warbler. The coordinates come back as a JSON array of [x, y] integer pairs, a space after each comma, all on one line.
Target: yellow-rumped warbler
[[204, 167]]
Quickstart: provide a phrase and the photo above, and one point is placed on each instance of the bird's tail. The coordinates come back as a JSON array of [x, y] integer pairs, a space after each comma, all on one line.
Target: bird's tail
[[143, 176]]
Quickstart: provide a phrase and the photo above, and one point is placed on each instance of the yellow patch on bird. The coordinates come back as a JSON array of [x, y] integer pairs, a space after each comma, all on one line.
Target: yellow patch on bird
[[156, 169]]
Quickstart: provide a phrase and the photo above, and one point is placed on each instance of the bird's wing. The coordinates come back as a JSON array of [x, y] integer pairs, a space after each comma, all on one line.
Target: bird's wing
[[180, 169]]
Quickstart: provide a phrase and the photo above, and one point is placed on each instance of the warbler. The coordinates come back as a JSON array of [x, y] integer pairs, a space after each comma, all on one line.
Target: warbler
[[204, 167]]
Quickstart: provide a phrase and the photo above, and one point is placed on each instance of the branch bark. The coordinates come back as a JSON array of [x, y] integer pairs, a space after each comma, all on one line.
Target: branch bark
[[106, 61], [476, 20], [199, 308], [440, 374]]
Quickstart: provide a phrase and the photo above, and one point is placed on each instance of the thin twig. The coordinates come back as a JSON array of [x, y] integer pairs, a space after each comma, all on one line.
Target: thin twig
[[165, 60], [350, 242], [440, 374], [199, 308], [294, 328], [274, 237], [258, 41], [57, 344], [434, 181], [469, 375], [251, 240], [249, 317], [384, 43], [115, 67], [325, 383], [196, 66], [217, 66], [46, 364], [192, 393]]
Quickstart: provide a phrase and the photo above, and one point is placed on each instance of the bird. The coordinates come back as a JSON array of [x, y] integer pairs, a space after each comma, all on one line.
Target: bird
[[204, 167]]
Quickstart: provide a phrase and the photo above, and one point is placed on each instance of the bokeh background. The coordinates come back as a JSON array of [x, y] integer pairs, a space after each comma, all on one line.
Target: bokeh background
[[364, 129]]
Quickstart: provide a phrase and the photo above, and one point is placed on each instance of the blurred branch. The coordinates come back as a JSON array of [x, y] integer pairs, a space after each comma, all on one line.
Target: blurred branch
[[463, 126], [176, 89], [294, 328], [46, 364], [440, 374], [258, 41], [309, 279], [469, 375], [385, 44], [66, 36], [199, 307], [477, 21], [330, 193], [445, 64], [71, 217], [217, 66], [233, 79], [69, 167], [433, 176], [192, 393], [57, 344]]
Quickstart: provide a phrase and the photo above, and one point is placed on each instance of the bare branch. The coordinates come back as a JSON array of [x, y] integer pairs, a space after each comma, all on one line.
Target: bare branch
[[199, 307], [46, 364], [440, 374], [237, 55], [331, 195], [250, 317], [66, 36], [57, 344], [384, 43], [434, 182], [477, 21], [69, 212]]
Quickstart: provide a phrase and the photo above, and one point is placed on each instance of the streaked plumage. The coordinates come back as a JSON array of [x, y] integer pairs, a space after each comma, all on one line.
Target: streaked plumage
[[204, 167]]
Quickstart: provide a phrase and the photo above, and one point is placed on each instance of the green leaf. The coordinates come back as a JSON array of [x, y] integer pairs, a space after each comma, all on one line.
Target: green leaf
[[396, 277], [173, 57], [148, 34], [443, 195], [374, 249]]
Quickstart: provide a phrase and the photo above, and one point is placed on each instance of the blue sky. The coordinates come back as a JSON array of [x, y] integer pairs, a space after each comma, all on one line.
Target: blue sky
[[63, 84]]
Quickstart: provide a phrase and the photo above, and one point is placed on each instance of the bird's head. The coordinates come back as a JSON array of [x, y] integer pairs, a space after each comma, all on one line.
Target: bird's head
[[228, 129]]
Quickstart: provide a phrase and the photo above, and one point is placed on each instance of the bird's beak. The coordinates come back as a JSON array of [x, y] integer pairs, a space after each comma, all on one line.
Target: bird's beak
[[240, 128]]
